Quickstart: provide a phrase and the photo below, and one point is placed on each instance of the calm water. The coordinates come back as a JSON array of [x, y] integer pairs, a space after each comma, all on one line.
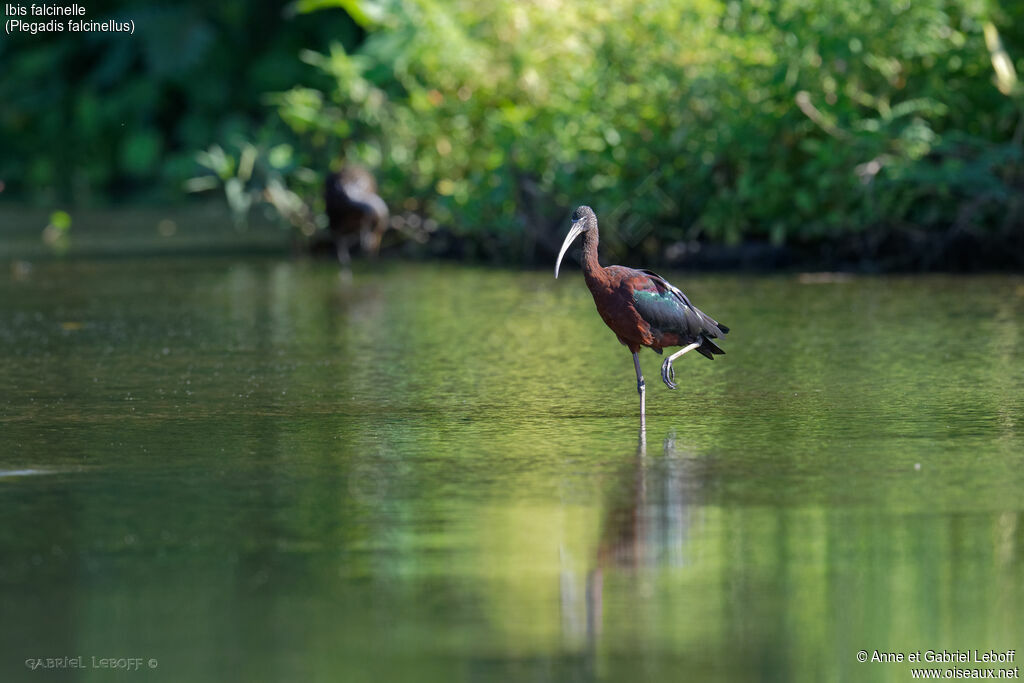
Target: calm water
[[246, 469]]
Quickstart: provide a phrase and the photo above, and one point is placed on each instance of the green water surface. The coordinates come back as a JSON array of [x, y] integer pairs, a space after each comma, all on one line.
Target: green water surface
[[248, 469]]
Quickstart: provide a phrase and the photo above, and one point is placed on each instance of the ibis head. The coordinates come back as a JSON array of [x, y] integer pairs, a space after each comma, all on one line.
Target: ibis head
[[583, 219]]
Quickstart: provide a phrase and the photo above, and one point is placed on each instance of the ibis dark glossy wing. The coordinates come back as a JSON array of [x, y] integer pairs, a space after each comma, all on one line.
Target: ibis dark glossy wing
[[668, 310]]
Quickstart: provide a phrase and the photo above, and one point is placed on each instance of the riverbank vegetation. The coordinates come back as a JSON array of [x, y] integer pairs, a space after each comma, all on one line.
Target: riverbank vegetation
[[888, 133]]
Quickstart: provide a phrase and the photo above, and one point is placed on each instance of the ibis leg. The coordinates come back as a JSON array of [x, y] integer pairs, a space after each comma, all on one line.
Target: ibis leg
[[667, 373], [342, 247], [640, 383]]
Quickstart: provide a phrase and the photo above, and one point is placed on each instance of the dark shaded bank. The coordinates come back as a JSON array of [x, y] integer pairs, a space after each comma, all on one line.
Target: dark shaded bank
[[957, 251], [206, 229]]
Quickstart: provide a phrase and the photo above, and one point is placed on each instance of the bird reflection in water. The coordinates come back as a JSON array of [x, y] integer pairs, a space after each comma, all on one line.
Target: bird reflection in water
[[645, 525]]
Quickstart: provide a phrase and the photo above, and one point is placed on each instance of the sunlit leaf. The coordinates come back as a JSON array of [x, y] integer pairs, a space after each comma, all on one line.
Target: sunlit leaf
[[61, 220], [366, 13], [280, 156]]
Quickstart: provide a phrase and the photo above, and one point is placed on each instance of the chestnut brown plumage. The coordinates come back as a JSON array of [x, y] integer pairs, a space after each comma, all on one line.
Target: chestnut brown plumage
[[355, 212], [641, 308]]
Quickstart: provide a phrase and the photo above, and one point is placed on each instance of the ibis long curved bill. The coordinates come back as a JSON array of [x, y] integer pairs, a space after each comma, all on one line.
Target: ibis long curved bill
[[574, 232]]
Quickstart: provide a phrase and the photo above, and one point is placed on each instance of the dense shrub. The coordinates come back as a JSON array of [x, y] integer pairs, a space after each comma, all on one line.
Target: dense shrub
[[791, 121], [801, 122], [92, 117]]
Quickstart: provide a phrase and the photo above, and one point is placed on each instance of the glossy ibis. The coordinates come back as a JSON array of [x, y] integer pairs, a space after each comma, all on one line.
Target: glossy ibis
[[641, 308], [355, 212]]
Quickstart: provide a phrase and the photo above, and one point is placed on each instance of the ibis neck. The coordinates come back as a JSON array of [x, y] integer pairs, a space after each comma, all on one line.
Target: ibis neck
[[591, 267]]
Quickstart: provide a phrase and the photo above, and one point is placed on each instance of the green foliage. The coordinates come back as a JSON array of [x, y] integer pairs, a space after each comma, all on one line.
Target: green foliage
[[61, 220], [57, 233], [800, 120], [86, 117], [250, 176]]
